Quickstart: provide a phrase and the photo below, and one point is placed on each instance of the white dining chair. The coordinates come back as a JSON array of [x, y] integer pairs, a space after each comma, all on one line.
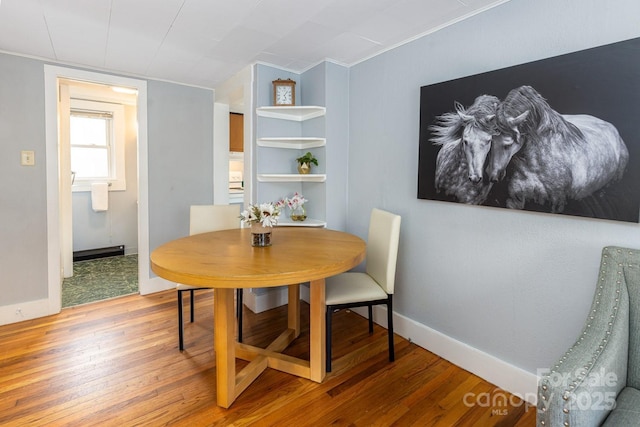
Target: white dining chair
[[203, 219], [375, 286]]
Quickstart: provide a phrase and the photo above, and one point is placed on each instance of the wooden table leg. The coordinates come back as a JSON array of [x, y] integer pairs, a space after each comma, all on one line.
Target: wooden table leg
[[317, 330], [294, 309], [224, 341]]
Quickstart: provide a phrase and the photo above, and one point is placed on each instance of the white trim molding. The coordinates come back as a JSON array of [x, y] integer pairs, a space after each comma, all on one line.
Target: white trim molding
[[510, 378]]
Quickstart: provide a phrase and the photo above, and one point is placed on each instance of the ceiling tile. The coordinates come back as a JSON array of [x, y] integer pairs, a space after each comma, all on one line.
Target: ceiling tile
[[270, 58], [203, 42], [212, 19], [241, 44], [190, 41], [173, 60], [382, 28], [130, 51], [78, 29], [421, 14], [134, 15], [23, 28], [282, 18], [208, 69], [344, 15], [302, 41], [346, 48]]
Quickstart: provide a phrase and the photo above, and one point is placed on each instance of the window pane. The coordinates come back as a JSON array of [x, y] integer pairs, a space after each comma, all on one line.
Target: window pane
[[90, 162], [88, 130]]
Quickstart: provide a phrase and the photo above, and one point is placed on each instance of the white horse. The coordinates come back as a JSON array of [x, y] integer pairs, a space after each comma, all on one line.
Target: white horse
[[465, 139], [552, 158]]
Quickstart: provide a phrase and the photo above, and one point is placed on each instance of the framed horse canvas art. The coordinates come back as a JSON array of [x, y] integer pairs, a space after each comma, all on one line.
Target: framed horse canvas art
[[559, 135]]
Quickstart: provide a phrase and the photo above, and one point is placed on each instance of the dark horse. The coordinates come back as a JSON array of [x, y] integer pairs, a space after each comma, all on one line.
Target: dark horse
[[552, 158], [465, 139]]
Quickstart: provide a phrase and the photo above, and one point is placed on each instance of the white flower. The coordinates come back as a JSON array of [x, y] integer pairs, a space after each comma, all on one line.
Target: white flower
[[296, 201], [265, 213]]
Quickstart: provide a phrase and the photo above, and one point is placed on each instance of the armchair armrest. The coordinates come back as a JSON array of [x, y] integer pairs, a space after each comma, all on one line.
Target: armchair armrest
[[581, 388]]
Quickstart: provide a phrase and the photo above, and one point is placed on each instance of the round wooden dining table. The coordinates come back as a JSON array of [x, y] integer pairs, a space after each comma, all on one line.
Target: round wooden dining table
[[225, 260]]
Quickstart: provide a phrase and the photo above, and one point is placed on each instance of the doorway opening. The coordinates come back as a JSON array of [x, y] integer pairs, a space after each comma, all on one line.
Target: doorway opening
[[98, 149], [60, 209]]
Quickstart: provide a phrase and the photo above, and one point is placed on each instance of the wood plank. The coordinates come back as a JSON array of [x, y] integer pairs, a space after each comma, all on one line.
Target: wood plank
[[116, 363]]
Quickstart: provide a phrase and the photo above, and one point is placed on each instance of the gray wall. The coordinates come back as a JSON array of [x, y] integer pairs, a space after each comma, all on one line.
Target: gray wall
[[333, 79], [516, 285], [23, 198], [180, 146], [180, 121]]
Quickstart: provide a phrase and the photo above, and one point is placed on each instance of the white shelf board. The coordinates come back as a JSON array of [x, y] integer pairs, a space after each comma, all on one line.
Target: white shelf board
[[309, 222], [291, 177], [296, 142], [295, 113]]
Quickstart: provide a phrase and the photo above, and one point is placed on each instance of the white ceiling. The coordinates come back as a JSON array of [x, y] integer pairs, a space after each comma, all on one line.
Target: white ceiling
[[205, 42]]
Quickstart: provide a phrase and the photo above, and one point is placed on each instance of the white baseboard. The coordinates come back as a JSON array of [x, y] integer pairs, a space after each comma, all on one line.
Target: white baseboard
[[155, 284], [28, 310], [496, 371]]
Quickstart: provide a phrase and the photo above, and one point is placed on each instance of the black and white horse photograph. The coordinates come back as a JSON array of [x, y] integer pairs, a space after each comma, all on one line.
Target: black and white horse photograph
[[559, 135]]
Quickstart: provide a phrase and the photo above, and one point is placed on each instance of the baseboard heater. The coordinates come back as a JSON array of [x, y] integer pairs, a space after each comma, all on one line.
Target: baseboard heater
[[98, 253]]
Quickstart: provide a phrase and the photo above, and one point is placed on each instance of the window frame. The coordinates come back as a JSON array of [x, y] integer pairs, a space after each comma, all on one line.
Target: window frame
[[115, 147]]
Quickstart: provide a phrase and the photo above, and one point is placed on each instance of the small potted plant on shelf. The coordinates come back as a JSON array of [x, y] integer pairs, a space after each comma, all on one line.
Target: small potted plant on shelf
[[304, 163]]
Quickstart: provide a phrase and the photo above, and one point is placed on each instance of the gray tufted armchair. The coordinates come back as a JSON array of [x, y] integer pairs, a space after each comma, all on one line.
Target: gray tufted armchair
[[597, 381]]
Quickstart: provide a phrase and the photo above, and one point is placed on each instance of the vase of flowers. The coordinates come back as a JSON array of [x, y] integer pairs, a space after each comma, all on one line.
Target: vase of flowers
[[295, 204], [261, 218]]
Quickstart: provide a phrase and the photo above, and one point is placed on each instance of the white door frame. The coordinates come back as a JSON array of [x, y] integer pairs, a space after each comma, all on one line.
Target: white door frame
[[51, 76]]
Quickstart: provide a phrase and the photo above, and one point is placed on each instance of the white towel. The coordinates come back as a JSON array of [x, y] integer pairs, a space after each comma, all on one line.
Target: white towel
[[100, 196]]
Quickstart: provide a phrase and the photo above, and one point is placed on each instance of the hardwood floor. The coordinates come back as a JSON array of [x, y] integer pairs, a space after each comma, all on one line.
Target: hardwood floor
[[116, 363]]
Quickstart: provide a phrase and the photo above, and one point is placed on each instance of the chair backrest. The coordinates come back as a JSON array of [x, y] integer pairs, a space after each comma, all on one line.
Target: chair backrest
[[629, 259], [382, 248], [205, 218]]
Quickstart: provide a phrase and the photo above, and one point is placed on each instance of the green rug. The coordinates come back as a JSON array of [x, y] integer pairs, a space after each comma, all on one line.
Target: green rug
[[99, 279]]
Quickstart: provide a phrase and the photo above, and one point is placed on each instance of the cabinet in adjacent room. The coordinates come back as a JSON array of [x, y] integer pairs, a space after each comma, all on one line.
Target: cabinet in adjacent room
[[236, 132]]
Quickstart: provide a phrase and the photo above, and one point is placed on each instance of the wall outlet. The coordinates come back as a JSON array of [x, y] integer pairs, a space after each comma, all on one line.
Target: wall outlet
[[27, 158]]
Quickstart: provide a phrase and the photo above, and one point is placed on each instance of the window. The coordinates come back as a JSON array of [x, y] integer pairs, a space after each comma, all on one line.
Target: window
[[90, 144], [97, 144]]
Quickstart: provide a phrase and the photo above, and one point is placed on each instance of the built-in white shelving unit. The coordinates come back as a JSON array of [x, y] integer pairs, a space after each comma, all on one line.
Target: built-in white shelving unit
[[309, 222], [298, 143], [291, 177], [296, 114]]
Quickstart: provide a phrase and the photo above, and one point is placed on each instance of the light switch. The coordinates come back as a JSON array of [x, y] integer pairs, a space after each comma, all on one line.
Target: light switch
[[27, 158]]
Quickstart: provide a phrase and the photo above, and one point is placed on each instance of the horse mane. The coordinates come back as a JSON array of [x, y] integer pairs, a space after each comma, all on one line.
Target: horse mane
[[447, 127], [450, 158], [541, 120]]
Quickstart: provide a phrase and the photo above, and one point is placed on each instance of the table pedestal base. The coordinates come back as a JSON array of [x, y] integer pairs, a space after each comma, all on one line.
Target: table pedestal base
[[230, 384]]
